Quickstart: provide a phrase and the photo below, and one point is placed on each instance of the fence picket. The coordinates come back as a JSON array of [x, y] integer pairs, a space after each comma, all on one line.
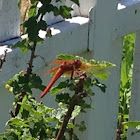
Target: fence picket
[[135, 95]]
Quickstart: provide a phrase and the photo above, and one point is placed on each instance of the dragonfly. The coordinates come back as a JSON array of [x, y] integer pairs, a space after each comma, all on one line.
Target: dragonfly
[[68, 67]]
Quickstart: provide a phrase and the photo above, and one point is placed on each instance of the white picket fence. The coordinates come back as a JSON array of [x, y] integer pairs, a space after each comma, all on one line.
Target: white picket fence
[[97, 35]]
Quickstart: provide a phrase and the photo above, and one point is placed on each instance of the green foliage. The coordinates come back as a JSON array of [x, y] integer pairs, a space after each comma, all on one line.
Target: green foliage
[[32, 120], [35, 23], [37, 121], [21, 83], [126, 82]]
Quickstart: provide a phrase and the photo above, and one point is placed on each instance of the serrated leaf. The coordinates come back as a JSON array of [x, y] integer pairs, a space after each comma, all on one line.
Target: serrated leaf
[[32, 28], [65, 57], [102, 64]]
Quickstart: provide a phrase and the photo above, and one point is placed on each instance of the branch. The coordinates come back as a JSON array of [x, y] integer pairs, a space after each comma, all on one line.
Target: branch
[[3, 59], [27, 74], [79, 94], [30, 63], [67, 117]]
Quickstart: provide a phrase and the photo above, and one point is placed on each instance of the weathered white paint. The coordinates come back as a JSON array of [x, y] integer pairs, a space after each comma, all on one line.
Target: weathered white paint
[[129, 2], [101, 34], [77, 11], [126, 21], [9, 19], [104, 117]]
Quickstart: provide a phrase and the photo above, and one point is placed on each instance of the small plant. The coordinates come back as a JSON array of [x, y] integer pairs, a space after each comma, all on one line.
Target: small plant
[[32, 120]]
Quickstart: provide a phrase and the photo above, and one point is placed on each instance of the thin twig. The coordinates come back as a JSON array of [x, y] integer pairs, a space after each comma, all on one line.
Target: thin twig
[[42, 59]]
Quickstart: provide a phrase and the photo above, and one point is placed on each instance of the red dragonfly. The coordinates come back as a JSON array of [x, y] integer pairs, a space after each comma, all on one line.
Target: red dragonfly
[[66, 67]]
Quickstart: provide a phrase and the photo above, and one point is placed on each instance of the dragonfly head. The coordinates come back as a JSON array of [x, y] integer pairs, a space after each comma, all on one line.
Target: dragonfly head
[[77, 63]]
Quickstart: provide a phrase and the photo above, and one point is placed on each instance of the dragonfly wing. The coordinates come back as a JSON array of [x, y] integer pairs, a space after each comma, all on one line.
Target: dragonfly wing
[[59, 61], [51, 70]]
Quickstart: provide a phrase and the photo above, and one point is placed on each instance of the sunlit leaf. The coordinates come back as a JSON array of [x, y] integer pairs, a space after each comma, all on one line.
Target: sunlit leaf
[[133, 124], [76, 111], [17, 122]]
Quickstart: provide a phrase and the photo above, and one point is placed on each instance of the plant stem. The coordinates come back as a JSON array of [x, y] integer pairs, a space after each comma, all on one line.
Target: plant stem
[[79, 94], [27, 74], [67, 117], [29, 69]]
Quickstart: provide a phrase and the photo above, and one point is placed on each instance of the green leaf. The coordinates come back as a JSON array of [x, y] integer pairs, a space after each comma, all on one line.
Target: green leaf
[[84, 105], [65, 11], [17, 122], [33, 28], [22, 45], [76, 112], [82, 126], [102, 64], [102, 74], [50, 119], [65, 57], [35, 82], [133, 124], [15, 84], [70, 125], [46, 7], [63, 97], [32, 11], [124, 74], [90, 92], [59, 87], [76, 1], [99, 85], [11, 136], [25, 114], [42, 24]]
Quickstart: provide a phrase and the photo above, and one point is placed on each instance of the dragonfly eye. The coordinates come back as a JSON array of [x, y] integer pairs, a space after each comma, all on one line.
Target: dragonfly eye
[[77, 63]]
